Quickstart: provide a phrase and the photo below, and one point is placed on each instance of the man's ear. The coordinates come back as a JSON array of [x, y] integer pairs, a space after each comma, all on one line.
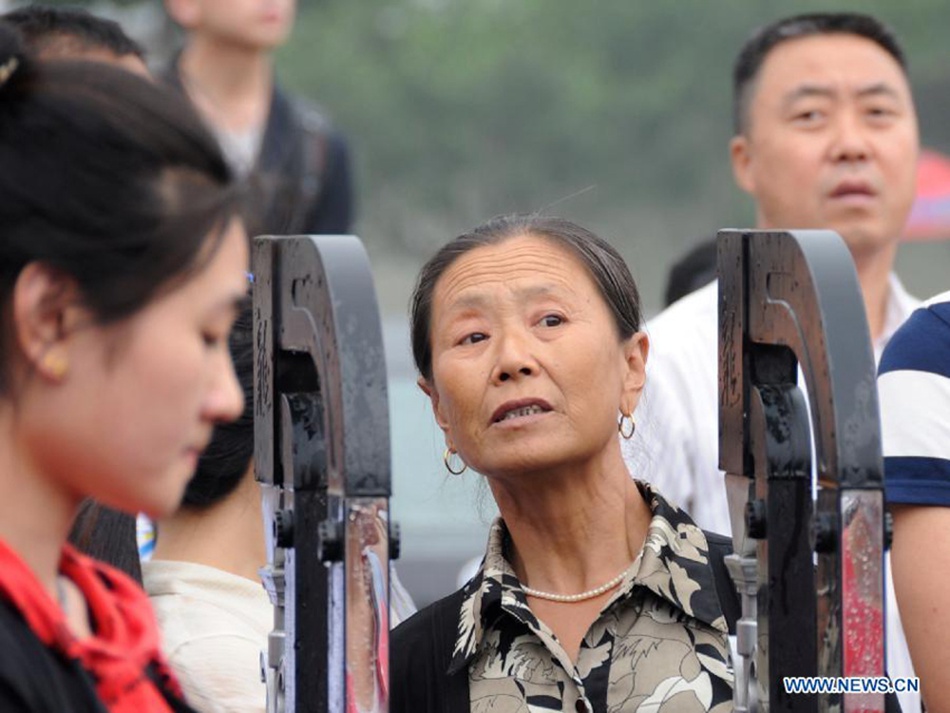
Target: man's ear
[[636, 351], [45, 312], [184, 13], [429, 389], [740, 154]]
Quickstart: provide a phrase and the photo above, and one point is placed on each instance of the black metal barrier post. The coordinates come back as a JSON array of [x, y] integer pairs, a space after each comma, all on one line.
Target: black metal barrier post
[[321, 445], [790, 301]]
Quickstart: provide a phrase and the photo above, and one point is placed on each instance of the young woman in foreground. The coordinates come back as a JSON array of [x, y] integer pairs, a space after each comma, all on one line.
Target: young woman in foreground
[[122, 266]]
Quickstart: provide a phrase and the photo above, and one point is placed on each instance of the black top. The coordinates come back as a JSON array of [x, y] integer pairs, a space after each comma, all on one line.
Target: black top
[[301, 183], [35, 679]]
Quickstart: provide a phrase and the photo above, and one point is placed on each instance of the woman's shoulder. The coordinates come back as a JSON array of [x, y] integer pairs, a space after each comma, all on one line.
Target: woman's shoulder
[[439, 617], [421, 651]]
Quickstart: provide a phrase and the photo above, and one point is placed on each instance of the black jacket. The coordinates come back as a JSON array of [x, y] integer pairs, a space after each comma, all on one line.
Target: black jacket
[[301, 183], [36, 679]]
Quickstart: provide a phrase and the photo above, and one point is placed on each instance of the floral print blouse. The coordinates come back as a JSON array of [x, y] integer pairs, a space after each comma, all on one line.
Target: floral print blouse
[[660, 645]]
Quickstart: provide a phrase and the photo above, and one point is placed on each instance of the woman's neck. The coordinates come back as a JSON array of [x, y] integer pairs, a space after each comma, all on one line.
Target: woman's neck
[[572, 531], [229, 535], [35, 510]]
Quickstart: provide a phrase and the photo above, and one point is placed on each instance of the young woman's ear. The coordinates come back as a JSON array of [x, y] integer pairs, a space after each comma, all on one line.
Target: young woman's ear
[[45, 312]]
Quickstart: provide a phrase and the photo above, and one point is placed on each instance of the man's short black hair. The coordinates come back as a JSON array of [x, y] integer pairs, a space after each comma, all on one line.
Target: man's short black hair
[[763, 40], [66, 31]]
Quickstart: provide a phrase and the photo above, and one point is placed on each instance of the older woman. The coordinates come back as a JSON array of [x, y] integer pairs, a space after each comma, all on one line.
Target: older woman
[[595, 593]]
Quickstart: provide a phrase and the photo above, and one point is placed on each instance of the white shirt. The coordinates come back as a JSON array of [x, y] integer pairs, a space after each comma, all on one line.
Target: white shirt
[[676, 444], [214, 626]]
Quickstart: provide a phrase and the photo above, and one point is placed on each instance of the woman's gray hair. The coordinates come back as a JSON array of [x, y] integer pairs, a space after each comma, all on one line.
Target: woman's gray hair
[[602, 261]]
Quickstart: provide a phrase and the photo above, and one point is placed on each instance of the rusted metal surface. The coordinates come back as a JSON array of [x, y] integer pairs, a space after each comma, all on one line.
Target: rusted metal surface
[[322, 455], [790, 305]]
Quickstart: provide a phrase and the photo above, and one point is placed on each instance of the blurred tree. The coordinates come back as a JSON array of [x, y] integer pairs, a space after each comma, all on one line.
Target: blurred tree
[[462, 109]]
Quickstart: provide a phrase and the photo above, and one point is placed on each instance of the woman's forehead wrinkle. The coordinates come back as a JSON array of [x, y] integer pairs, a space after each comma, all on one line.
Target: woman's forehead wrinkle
[[482, 269]]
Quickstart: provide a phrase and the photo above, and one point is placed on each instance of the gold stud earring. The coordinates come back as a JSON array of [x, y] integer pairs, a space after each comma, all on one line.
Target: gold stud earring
[[54, 364]]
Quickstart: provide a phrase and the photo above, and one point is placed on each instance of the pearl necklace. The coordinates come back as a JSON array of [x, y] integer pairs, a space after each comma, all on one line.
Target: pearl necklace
[[570, 598]]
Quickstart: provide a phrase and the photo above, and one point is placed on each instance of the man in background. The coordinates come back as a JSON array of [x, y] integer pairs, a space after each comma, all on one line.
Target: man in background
[[297, 163], [825, 137], [914, 389]]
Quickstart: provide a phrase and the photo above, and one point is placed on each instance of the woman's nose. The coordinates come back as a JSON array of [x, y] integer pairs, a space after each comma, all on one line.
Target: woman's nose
[[225, 400], [514, 359]]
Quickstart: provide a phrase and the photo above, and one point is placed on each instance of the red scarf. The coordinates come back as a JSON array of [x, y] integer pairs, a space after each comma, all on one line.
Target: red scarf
[[126, 638]]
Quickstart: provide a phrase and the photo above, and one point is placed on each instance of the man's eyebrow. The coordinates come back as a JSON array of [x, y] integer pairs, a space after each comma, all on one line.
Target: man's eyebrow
[[805, 91], [820, 90], [878, 89]]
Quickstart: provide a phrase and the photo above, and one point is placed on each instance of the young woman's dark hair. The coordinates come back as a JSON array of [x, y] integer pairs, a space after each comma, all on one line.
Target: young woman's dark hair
[[67, 131], [107, 535], [603, 262]]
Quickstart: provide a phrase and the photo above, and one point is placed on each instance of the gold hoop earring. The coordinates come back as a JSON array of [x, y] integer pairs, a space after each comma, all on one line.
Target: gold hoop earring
[[447, 459], [627, 426]]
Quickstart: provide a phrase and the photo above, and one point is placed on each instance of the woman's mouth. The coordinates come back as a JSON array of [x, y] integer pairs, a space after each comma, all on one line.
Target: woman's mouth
[[522, 408]]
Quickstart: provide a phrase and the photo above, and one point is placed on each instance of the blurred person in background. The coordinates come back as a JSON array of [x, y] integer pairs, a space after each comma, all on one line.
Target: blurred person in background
[[297, 162], [695, 269], [825, 137], [123, 266], [203, 577], [595, 593], [73, 33], [914, 389]]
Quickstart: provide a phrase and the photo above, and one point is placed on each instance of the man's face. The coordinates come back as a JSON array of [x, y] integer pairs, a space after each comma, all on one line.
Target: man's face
[[830, 141], [255, 24]]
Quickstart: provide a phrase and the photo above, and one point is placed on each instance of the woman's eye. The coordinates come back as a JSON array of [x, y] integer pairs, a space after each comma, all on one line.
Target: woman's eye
[[552, 320], [474, 337]]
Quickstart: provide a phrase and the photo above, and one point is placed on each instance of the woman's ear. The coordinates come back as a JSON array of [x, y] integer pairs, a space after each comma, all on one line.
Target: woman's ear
[[635, 350], [429, 389], [45, 312]]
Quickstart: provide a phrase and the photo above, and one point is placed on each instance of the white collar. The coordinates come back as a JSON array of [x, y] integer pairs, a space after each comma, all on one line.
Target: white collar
[[899, 306]]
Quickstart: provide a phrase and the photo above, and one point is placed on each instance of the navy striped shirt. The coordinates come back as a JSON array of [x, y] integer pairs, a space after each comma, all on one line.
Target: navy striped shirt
[[914, 388]]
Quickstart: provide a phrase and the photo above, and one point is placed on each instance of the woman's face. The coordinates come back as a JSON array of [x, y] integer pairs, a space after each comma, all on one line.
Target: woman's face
[[528, 371], [139, 399]]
